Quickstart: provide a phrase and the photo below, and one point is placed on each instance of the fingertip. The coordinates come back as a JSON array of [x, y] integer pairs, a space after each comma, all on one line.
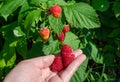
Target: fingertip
[[83, 57], [77, 52], [52, 56], [49, 58]]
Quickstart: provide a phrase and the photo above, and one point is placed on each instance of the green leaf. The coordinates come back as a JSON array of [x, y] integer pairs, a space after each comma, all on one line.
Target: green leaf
[[11, 57], [102, 34], [50, 48], [83, 42], [1, 4], [36, 50], [95, 54], [22, 47], [9, 6], [8, 55], [118, 53], [31, 17], [109, 58], [115, 33], [2, 63], [106, 20], [105, 76], [8, 27], [116, 8], [55, 24], [7, 59], [8, 52], [92, 78], [18, 32], [23, 12], [80, 74], [37, 2], [101, 5], [78, 15], [58, 2], [72, 40], [7, 31], [109, 48]]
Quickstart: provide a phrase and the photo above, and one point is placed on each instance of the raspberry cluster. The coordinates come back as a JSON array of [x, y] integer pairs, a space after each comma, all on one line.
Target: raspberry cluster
[[61, 36], [66, 56], [64, 59], [44, 33], [56, 11]]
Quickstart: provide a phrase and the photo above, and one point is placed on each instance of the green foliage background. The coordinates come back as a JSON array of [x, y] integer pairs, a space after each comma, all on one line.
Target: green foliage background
[[95, 28]]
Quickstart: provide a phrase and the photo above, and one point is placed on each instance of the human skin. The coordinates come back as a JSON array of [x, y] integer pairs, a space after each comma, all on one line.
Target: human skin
[[38, 70]]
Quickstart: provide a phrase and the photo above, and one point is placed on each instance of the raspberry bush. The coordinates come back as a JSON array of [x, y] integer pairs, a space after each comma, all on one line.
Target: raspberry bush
[[93, 27]]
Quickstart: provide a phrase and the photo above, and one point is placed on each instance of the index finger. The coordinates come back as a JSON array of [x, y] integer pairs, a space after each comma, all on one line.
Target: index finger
[[70, 70]]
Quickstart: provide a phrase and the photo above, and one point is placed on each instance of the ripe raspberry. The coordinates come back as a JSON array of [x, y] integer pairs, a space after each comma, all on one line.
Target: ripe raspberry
[[57, 64], [61, 62], [61, 37], [56, 11], [66, 28], [67, 59], [67, 56], [44, 33], [66, 49]]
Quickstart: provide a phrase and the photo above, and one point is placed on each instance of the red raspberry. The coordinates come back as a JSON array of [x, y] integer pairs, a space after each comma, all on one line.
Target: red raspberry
[[61, 62], [66, 28], [44, 33], [67, 59], [56, 11], [66, 49], [67, 56], [61, 37], [57, 64]]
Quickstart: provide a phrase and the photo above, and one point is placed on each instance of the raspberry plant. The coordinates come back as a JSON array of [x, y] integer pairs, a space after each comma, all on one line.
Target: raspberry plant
[[94, 28]]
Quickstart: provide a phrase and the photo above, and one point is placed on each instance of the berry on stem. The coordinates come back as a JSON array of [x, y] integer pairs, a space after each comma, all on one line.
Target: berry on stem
[[56, 11], [61, 37], [44, 34], [66, 28]]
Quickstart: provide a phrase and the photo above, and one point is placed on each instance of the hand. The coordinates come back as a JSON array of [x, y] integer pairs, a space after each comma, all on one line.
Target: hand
[[38, 70]]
